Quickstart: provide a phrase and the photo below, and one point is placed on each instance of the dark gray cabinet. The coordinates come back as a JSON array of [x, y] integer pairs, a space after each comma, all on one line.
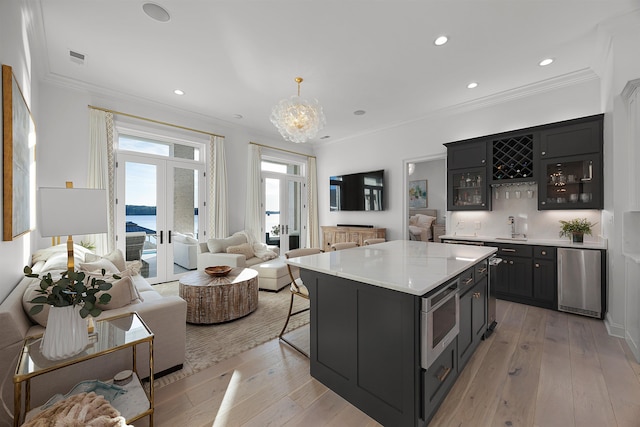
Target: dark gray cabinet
[[365, 346], [466, 154], [468, 190], [572, 182], [545, 286], [473, 320], [439, 378], [579, 136]]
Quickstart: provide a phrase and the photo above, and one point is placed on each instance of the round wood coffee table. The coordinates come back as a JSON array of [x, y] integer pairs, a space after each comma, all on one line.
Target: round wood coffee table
[[212, 299]]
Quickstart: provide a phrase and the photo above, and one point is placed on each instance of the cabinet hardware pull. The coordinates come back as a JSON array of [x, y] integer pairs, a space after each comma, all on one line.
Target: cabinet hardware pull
[[508, 250], [476, 294], [482, 270], [537, 265], [511, 262], [443, 375], [469, 280], [544, 252]]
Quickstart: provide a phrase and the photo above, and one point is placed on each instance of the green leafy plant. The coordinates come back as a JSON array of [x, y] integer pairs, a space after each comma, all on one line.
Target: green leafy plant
[[88, 245], [275, 230], [70, 289], [576, 226]]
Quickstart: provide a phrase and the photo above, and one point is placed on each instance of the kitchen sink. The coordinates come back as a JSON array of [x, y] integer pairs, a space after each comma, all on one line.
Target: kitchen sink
[[517, 239]]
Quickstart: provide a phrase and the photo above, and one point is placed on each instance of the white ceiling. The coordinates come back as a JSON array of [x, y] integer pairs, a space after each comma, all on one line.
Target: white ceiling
[[241, 57]]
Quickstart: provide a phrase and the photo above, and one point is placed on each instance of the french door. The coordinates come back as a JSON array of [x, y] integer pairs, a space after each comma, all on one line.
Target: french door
[[284, 207], [158, 212]]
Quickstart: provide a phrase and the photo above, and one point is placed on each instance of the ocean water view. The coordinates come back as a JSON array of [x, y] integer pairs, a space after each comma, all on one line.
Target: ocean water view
[[150, 222]]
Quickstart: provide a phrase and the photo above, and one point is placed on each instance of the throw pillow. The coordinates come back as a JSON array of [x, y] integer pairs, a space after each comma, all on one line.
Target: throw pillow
[[116, 257], [425, 221], [243, 249], [123, 292], [221, 245], [59, 262], [97, 266]]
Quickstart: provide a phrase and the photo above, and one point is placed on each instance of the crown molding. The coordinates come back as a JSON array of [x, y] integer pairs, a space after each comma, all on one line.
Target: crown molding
[[630, 88]]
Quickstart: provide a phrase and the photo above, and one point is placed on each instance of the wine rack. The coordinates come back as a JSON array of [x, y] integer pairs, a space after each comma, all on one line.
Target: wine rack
[[512, 158]]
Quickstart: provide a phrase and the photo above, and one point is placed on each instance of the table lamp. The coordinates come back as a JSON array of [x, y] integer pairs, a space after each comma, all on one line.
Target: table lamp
[[69, 211]]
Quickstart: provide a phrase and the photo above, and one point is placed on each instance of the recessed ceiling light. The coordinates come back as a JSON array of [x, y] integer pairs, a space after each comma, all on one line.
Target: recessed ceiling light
[[441, 40], [237, 116], [472, 85], [359, 112], [156, 12], [546, 61], [178, 92]]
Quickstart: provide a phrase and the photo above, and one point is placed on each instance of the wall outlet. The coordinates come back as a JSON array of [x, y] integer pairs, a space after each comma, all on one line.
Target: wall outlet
[[477, 225], [460, 224]]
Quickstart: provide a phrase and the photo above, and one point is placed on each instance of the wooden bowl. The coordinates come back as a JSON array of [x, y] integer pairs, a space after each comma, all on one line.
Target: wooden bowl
[[218, 270]]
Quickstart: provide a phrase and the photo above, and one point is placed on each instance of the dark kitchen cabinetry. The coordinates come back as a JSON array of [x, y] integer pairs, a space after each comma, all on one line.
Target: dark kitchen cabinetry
[[439, 378], [572, 182], [466, 154], [473, 319], [579, 136], [467, 190], [545, 287]]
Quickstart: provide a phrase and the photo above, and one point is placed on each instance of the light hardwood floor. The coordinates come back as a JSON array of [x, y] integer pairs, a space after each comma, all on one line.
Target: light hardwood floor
[[541, 368]]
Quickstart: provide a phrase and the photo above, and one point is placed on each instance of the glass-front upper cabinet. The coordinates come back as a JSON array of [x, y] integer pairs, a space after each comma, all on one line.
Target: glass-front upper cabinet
[[572, 182], [467, 190]]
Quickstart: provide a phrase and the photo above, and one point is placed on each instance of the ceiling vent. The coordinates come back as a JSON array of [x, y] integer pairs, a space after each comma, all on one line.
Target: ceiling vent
[[77, 57]]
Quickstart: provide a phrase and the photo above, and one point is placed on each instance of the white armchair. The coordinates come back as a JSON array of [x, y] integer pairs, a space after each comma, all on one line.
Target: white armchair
[[420, 227]]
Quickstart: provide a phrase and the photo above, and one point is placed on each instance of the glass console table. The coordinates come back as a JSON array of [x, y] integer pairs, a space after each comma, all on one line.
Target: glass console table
[[110, 335]]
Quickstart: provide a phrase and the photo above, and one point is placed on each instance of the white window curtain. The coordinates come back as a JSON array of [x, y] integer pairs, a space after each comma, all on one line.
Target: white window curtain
[[217, 198], [101, 173], [313, 236], [253, 209]]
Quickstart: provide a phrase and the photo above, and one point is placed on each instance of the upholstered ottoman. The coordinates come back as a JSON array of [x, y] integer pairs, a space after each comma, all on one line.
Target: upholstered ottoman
[[272, 275]]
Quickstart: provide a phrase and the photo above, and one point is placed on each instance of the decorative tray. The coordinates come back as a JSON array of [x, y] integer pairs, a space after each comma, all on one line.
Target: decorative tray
[[218, 270]]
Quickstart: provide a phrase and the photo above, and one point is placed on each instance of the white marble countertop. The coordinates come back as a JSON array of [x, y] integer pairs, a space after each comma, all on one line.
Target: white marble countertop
[[590, 242], [401, 265]]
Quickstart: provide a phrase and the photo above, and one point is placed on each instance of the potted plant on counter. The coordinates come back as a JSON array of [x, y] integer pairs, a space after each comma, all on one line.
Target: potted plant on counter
[[576, 229]]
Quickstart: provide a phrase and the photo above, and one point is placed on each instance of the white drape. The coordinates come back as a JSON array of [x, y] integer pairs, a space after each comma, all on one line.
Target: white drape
[[313, 236], [253, 208], [217, 200], [101, 172]]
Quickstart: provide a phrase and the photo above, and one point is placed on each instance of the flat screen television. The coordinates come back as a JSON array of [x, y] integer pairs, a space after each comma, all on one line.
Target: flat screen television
[[362, 191]]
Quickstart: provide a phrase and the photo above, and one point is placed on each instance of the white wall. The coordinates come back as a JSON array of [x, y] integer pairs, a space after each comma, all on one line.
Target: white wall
[[15, 52], [435, 172], [388, 149], [64, 139]]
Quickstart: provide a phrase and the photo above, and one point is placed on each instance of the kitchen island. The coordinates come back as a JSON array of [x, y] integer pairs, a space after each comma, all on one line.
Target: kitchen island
[[366, 324]]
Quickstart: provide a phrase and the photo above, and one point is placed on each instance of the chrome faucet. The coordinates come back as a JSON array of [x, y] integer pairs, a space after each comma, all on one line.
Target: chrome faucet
[[512, 222]]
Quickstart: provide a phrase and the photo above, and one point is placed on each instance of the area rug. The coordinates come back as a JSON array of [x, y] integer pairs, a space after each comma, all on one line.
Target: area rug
[[210, 344]]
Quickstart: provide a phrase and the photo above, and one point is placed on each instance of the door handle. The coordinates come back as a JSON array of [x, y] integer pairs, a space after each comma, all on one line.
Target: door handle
[[161, 236], [444, 374], [169, 237]]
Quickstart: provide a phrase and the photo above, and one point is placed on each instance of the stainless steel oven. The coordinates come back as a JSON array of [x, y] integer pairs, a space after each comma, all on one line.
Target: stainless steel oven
[[440, 321]]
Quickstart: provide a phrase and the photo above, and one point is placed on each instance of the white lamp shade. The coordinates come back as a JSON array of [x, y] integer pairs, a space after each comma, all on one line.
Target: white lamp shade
[[72, 211]]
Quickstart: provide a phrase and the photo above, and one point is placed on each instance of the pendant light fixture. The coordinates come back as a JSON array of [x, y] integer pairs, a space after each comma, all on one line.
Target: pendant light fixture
[[298, 120]]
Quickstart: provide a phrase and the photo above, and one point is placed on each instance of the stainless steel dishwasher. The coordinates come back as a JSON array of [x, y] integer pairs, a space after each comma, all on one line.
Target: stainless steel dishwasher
[[579, 281]]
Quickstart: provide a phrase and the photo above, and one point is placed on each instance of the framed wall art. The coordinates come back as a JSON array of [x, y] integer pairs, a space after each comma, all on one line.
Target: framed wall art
[[18, 139], [418, 194]]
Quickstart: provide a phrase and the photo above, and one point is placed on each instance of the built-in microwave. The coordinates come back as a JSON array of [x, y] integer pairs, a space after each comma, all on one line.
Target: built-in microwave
[[440, 321]]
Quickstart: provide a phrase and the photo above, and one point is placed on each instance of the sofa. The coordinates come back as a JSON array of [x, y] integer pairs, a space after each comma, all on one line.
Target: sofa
[[165, 316], [234, 251], [185, 250], [421, 227], [239, 250]]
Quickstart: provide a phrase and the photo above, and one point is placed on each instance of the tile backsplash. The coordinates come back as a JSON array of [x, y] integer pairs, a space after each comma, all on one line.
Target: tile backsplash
[[521, 202]]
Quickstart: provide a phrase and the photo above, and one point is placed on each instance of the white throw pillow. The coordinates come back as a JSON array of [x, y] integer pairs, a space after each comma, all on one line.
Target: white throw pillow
[[243, 249], [116, 257], [424, 221], [123, 292], [221, 245], [98, 266]]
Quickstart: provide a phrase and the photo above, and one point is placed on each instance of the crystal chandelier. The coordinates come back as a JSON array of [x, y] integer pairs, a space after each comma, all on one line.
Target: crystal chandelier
[[297, 119]]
